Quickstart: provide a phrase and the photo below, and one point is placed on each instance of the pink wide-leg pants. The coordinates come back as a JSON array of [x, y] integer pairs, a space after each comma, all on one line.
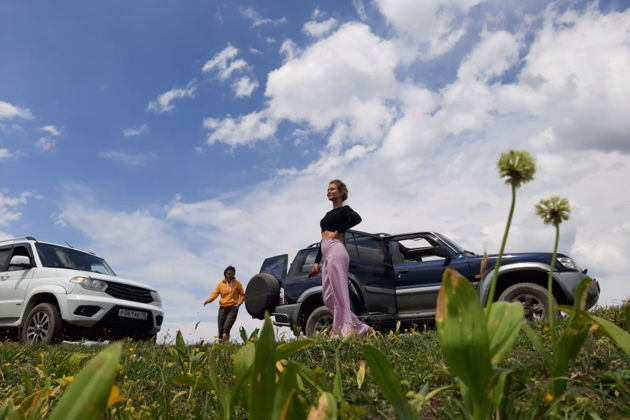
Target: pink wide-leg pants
[[335, 289]]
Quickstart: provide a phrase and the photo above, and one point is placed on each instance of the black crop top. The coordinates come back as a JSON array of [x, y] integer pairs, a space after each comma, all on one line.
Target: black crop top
[[338, 220]]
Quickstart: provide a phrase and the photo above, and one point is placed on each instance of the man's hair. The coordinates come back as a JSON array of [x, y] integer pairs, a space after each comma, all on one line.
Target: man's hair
[[341, 187], [228, 268]]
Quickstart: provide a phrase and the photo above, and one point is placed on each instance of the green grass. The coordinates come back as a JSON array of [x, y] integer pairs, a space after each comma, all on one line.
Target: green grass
[[599, 383]]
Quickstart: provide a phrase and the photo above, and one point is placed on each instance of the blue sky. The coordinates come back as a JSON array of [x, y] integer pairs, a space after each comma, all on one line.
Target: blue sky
[[174, 138]]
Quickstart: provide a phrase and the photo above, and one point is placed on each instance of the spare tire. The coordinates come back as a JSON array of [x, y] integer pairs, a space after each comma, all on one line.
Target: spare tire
[[262, 294]]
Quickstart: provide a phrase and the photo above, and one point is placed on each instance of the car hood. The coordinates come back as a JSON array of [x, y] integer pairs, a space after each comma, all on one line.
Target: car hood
[[65, 272]]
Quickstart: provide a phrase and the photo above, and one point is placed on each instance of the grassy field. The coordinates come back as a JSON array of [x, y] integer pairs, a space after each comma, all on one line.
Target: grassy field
[[34, 378]]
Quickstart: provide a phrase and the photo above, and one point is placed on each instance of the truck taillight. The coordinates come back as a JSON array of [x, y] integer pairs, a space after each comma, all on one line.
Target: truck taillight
[[281, 300]]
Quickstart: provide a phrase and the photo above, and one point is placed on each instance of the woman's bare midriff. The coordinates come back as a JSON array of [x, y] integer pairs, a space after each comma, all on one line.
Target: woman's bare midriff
[[328, 234]]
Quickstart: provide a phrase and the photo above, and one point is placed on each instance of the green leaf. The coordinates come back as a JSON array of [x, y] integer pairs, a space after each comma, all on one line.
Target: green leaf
[[337, 386], [8, 410], [573, 337], [388, 382], [503, 327], [286, 403], [287, 350], [263, 374], [463, 333], [243, 334], [244, 359], [619, 336], [87, 395]]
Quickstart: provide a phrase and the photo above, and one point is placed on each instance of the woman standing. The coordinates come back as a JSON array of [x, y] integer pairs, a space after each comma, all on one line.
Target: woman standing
[[335, 272], [232, 296]]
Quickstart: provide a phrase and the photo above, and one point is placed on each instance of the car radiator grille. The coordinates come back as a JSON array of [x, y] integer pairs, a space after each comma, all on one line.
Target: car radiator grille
[[127, 292]]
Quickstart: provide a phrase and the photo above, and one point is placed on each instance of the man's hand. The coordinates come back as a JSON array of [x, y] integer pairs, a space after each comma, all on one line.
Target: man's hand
[[315, 271]]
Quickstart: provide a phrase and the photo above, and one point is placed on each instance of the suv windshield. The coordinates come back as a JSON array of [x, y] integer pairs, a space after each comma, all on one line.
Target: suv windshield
[[61, 257]]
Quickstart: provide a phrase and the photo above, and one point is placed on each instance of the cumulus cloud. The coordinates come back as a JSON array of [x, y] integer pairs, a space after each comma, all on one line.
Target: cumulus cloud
[[244, 87], [51, 130], [136, 131], [164, 102], [580, 93], [224, 63], [9, 111], [241, 130], [434, 28], [5, 154], [129, 159], [257, 20], [9, 205], [318, 29], [46, 144]]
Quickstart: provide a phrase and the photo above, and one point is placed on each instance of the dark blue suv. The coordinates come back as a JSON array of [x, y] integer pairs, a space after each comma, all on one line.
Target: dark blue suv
[[397, 278]]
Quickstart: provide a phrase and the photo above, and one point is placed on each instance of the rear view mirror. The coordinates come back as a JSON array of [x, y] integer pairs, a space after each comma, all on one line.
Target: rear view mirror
[[20, 261]]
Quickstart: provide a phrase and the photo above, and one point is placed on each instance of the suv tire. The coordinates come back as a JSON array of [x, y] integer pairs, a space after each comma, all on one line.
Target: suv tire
[[43, 325], [533, 297], [320, 320], [262, 294]]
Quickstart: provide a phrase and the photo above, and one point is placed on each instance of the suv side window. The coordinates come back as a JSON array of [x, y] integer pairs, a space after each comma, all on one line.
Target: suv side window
[[309, 260], [417, 249], [351, 245], [4, 257], [370, 249], [20, 250]]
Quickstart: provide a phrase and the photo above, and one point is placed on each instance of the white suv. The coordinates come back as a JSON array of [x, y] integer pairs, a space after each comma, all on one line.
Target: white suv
[[48, 291]]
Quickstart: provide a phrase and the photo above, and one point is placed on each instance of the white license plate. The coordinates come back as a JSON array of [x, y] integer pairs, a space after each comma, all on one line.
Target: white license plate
[[126, 313]]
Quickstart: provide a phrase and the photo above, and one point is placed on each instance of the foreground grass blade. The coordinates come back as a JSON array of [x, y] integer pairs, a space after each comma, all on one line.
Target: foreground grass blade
[[573, 337], [264, 374], [462, 331], [504, 325], [86, 396], [388, 382], [619, 336], [289, 349]]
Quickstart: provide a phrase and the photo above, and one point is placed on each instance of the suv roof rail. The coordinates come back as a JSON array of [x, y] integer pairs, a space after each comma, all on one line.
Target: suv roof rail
[[28, 238]]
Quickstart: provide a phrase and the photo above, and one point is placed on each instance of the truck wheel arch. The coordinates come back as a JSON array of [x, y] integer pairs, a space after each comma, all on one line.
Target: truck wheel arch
[[509, 278]]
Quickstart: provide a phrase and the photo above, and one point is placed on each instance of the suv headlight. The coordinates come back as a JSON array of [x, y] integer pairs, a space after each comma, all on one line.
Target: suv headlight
[[90, 284], [157, 300], [569, 263]]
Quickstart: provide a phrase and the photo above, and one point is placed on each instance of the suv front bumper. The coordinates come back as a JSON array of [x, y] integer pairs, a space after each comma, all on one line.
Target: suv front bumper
[[107, 313]]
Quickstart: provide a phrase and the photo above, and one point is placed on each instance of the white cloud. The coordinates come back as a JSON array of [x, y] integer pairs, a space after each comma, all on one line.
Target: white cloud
[[164, 102], [244, 87], [580, 92], [241, 130], [257, 20], [9, 111], [288, 49], [46, 144], [136, 131], [52, 130], [318, 29], [221, 59], [435, 27], [360, 8], [8, 206], [129, 159], [5, 154]]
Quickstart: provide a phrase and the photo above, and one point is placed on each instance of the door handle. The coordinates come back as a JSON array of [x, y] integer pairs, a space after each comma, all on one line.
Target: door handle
[[5, 277], [403, 271]]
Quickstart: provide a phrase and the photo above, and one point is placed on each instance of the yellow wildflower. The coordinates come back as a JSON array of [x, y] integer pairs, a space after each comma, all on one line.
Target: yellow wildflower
[[548, 397], [114, 396]]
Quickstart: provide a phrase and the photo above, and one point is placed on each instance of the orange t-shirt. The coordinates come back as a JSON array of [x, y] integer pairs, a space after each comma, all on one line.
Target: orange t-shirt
[[232, 293]]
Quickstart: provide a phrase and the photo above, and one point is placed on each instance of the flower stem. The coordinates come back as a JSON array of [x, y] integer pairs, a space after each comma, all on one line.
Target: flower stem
[[495, 275], [550, 282]]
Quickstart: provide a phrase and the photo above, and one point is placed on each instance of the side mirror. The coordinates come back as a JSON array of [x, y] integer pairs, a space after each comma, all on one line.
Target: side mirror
[[20, 261], [441, 251]]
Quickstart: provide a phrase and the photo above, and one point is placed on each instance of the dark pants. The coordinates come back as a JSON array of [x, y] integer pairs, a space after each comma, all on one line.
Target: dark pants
[[227, 316]]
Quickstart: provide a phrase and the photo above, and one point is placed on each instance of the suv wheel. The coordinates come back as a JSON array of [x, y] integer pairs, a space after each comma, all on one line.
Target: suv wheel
[[43, 325], [533, 298], [319, 321]]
